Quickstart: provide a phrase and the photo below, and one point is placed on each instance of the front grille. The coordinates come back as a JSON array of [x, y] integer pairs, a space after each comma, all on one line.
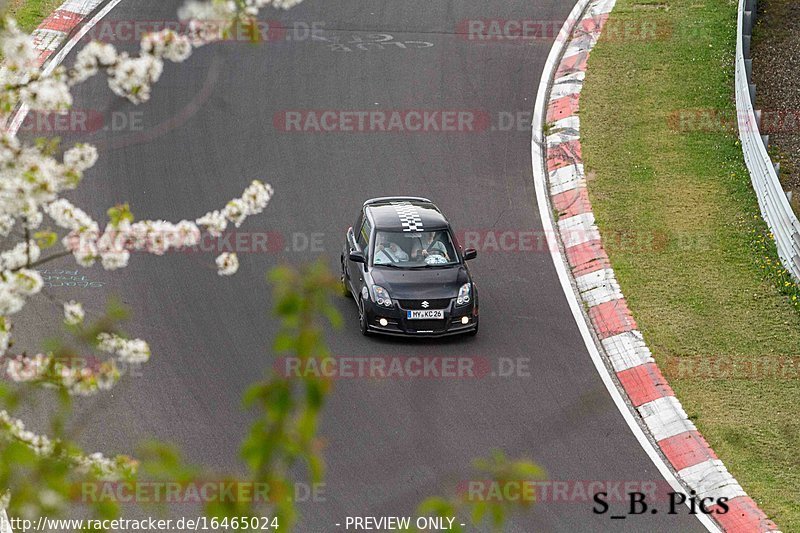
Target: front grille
[[440, 303], [426, 325]]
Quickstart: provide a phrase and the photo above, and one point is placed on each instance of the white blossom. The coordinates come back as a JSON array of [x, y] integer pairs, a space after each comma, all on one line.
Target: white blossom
[[127, 350], [256, 196], [132, 77], [214, 222], [32, 181], [90, 58], [70, 217], [11, 301], [47, 94], [17, 48], [25, 281], [73, 313], [19, 255], [81, 157], [167, 44], [236, 211], [6, 225], [227, 264], [5, 335]]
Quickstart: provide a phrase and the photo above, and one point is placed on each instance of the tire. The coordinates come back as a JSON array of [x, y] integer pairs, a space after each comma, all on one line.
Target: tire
[[345, 291], [362, 322]]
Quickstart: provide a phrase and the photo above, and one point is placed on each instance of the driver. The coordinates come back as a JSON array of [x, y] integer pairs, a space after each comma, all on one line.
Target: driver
[[388, 252], [430, 244]]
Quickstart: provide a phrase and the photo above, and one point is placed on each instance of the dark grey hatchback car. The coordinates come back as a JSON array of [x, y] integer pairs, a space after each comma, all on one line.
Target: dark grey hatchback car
[[406, 271]]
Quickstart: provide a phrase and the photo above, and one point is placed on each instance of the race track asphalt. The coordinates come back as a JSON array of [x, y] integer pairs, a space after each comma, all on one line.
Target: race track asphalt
[[210, 128]]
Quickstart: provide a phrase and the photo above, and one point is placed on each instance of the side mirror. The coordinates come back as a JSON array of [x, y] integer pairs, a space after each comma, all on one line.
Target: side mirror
[[470, 253], [357, 257]]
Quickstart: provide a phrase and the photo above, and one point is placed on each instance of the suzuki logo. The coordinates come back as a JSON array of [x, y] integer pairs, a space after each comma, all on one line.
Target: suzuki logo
[[425, 304]]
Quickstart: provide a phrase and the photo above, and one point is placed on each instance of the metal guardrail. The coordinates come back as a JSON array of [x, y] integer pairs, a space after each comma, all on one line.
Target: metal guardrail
[[772, 199]]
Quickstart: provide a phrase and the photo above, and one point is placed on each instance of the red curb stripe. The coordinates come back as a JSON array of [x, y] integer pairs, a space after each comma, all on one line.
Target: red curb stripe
[[686, 449], [564, 154], [612, 318], [563, 107], [743, 516], [571, 64], [644, 383], [587, 257], [572, 202], [43, 55], [593, 25], [61, 20]]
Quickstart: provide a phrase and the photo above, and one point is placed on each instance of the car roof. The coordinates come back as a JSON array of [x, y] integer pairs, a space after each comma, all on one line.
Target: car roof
[[405, 213]]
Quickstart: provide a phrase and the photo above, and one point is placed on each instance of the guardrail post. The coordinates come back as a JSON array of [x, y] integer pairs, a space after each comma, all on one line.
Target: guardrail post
[[765, 140], [747, 23], [752, 94], [757, 113], [748, 68], [777, 167], [746, 46]]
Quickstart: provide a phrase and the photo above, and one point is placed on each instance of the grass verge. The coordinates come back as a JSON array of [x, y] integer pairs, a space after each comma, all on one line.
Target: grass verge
[[692, 255], [30, 13]]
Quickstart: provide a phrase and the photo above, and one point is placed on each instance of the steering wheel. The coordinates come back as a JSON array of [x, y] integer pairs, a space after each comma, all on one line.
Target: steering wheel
[[435, 258]]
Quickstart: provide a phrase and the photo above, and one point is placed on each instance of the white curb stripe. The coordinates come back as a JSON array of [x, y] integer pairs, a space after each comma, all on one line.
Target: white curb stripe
[[44, 39], [602, 7], [627, 350], [578, 229], [665, 417], [567, 85], [83, 7], [598, 287], [566, 178], [711, 479]]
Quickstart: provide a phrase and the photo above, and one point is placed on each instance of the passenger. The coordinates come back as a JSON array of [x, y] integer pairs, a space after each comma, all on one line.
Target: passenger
[[388, 252]]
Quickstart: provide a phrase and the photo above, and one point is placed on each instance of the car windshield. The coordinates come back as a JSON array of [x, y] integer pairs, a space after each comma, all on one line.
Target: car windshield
[[421, 249]]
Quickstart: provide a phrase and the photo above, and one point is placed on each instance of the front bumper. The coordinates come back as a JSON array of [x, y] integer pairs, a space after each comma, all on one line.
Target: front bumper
[[399, 324]]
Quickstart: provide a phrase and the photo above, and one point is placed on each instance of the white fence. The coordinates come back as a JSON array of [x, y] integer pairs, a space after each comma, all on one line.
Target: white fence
[[772, 199]]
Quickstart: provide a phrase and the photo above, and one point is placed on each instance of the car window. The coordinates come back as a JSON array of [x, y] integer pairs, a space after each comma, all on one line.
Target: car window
[[414, 250], [363, 236]]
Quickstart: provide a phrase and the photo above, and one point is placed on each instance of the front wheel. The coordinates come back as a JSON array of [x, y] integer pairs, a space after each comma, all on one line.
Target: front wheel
[[345, 291], [362, 321]]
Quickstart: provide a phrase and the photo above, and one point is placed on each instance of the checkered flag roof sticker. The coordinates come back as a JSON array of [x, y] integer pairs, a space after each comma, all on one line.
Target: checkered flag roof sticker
[[409, 217]]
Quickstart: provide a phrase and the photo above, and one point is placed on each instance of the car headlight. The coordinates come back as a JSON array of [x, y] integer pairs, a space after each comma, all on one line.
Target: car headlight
[[382, 296], [464, 294]]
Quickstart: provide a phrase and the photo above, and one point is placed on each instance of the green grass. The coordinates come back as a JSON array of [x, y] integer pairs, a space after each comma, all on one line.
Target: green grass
[[708, 285], [29, 13]]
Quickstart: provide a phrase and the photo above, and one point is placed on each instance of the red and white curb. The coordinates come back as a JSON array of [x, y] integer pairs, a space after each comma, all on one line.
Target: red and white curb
[[51, 39], [561, 185], [53, 30]]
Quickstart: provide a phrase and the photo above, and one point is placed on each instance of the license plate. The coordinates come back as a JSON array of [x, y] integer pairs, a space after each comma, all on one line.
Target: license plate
[[421, 315]]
